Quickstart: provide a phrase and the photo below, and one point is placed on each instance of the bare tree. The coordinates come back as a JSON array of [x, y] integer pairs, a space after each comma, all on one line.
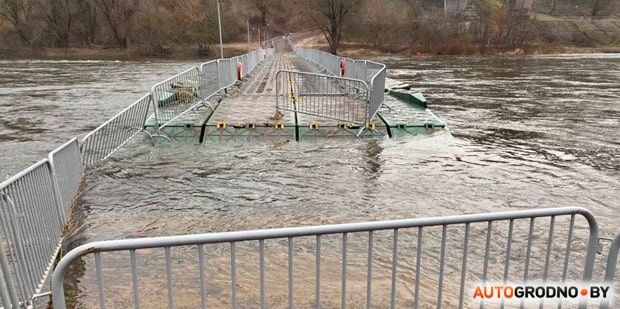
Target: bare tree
[[596, 5], [119, 17], [329, 16], [60, 16], [262, 6], [19, 14], [90, 22]]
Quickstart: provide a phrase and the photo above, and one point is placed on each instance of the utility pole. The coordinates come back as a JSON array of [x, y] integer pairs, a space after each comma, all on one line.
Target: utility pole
[[248, 25], [219, 21]]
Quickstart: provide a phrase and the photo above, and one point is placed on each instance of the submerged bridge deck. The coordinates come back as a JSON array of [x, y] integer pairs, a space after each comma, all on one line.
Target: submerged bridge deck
[[248, 110]]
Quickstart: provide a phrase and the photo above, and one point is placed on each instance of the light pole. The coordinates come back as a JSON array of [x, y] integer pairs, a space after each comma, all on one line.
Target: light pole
[[248, 25], [266, 35], [219, 21]]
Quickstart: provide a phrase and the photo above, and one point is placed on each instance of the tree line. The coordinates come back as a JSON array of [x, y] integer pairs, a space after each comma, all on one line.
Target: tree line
[[157, 27], [443, 26], [152, 25]]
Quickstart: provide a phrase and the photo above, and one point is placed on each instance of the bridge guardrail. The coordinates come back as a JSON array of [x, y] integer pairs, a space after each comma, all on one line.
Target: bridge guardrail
[[176, 95], [106, 139], [187, 90], [610, 269], [327, 96], [34, 205], [67, 174], [377, 85], [489, 245], [373, 73]]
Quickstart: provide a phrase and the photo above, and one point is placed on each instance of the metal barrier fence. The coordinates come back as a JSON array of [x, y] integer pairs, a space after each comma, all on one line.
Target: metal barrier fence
[[322, 95], [171, 99], [187, 90], [67, 174], [373, 73], [34, 205], [210, 79], [102, 142], [176, 95], [355, 69], [377, 86], [451, 254], [610, 270]]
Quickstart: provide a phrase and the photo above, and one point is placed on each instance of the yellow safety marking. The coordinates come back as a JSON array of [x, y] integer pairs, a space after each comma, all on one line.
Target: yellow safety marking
[[373, 125], [314, 126], [221, 125]]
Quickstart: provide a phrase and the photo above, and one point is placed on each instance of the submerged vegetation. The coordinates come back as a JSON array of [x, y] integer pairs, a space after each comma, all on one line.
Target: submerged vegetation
[[162, 28]]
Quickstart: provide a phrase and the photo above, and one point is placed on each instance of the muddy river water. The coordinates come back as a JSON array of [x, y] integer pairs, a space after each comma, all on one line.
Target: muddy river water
[[524, 132]]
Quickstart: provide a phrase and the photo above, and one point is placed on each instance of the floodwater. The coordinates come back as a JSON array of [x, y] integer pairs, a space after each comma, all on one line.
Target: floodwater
[[524, 132]]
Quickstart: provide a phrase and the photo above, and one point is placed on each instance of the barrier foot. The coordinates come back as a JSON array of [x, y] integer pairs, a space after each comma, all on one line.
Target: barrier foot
[[360, 132], [390, 109], [203, 104], [155, 135]]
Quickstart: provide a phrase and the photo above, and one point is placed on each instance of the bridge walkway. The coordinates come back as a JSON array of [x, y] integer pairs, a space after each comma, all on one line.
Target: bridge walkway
[[251, 111]]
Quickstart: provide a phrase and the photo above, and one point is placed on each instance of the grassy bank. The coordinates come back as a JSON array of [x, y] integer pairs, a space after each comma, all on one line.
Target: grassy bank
[[348, 49], [130, 53], [362, 50]]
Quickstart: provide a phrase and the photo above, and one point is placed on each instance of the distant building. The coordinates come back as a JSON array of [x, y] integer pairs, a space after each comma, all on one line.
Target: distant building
[[520, 5], [467, 8]]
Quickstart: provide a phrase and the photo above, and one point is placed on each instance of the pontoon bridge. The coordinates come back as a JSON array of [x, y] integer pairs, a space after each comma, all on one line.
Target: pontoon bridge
[[276, 95]]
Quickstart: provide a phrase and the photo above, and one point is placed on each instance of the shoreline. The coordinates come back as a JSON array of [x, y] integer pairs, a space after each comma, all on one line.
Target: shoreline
[[348, 49], [133, 53], [360, 50]]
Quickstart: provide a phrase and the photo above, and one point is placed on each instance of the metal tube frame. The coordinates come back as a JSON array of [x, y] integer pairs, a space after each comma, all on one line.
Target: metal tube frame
[[610, 270], [343, 229], [117, 142], [53, 180], [330, 63], [298, 78]]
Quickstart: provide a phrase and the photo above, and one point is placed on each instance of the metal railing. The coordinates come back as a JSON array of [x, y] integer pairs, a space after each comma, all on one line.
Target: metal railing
[[376, 73], [210, 79], [610, 270], [171, 99], [177, 95], [451, 253], [373, 73], [192, 88], [34, 205], [322, 95], [102, 142], [67, 174]]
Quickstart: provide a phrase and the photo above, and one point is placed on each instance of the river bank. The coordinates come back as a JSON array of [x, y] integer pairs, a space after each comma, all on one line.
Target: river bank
[[132, 53], [348, 49], [567, 35], [563, 41], [355, 50]]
